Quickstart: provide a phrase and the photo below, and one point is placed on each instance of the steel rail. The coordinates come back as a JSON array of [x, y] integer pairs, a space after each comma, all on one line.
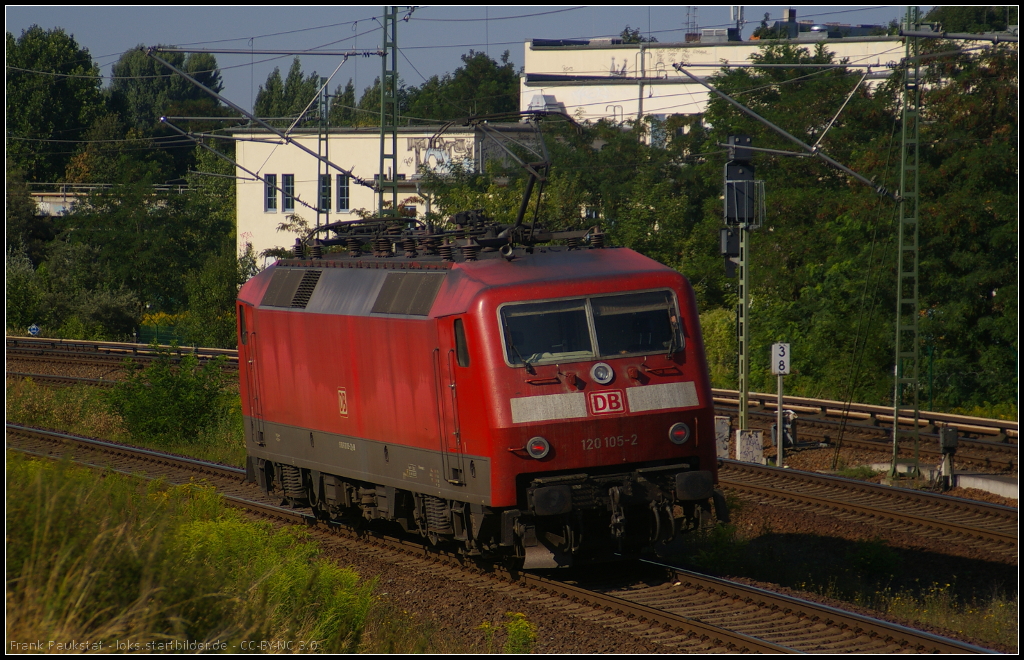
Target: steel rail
[[206, 467], [114, 347], [886, 502], [992, 453], [51, 379], [871, 413], [903, 636]]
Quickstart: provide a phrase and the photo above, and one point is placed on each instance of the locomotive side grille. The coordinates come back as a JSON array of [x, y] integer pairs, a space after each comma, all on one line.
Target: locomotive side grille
[[282, 287], [408, 293], [305, 288]]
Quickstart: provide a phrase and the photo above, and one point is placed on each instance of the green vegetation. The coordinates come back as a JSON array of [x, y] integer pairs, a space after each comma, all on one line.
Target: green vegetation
[[981, 601], [974, 19], [520, 635], [167, 403], [862, 472], [106, 559], [149, 403]]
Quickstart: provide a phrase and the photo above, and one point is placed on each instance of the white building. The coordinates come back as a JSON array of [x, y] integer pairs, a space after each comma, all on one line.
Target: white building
[[293, 180], [606, 79], [290, 178]]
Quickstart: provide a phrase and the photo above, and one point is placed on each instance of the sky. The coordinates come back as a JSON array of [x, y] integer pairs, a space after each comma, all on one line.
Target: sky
[[430, 42]]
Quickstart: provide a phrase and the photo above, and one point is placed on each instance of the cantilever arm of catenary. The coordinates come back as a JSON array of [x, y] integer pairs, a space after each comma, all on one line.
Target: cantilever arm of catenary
[[806, 147], [357, 179]]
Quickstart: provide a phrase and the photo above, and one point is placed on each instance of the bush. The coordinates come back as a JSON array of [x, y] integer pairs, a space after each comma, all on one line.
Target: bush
[[167, 404]]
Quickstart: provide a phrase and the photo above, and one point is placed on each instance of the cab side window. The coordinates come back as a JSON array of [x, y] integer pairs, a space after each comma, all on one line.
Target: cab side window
[[241, 320], [461, 349]]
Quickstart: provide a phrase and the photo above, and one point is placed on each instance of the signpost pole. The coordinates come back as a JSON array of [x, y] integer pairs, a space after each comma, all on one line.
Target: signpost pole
[[778, 425], [780, 367]]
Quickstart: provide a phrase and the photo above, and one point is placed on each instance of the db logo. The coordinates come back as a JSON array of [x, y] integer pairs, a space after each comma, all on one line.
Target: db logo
[[342, 402], [609, 401]]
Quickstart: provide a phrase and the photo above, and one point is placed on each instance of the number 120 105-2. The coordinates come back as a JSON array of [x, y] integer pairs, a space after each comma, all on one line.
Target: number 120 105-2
[[609, 442]]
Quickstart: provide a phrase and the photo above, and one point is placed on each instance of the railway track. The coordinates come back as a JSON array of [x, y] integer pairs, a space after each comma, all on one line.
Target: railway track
[[686, 612], [986, 443], [991, 528], [106, 353]]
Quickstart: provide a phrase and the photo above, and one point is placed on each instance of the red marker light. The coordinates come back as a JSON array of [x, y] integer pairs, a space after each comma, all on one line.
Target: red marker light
[[538, 447], [679, 433]]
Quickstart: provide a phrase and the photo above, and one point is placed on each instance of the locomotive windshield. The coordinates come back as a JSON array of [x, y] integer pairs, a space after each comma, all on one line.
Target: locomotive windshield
[[585, 328]]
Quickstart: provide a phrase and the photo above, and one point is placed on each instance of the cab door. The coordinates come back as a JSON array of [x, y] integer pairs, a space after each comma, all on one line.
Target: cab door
[[249, 365], [450, 358]]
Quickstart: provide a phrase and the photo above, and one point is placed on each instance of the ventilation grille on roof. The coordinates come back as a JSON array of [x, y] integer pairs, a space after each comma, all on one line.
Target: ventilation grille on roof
[[306, 286], [408, 293], [291, 287]]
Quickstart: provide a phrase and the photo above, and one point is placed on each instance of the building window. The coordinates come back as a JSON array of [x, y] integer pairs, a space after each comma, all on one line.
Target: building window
[[343, 192], [325, 192], [270, 196], [288, 198]]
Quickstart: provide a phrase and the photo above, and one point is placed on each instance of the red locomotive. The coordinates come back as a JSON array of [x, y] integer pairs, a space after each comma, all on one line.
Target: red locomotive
[[548, 403]]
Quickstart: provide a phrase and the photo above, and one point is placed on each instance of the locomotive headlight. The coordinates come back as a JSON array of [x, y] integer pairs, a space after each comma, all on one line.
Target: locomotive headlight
[[602, 373], [538, 447], [679, 433]]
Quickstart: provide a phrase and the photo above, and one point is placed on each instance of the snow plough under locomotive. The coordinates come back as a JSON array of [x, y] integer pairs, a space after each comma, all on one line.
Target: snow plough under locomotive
[[544, 402]]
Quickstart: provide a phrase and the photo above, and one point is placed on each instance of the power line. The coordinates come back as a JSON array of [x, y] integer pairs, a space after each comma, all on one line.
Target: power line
[[496, 18]]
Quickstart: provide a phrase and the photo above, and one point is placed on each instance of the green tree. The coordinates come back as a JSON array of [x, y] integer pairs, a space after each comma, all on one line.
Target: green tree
[[817, 263], [634, 36], [763, 31], [211, 288], [969, 246], [481, 86], [368, 109], [286, 98], [68, 296], [53, 93], [147, 241], [22, 296], [973, 18], [142, 91], [27, 230], [211, 295], [343, 106], [114, 151]]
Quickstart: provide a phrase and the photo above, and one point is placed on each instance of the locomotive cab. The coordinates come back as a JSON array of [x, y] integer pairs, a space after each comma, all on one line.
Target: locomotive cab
[[553, 406], [601, 401]]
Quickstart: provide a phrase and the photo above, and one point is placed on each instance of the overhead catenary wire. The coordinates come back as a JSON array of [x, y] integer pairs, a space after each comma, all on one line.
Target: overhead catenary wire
[[359, 180]]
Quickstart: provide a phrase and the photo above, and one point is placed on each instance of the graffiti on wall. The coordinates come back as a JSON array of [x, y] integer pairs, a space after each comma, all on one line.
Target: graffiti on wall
[[439, 154]]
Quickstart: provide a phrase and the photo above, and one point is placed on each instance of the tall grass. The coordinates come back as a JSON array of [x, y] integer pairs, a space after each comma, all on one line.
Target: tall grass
[[101, 559], [88, 411]]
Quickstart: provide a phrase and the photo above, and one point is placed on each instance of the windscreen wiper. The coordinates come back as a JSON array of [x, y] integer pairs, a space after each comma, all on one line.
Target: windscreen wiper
[[674, 325], [511, 344]]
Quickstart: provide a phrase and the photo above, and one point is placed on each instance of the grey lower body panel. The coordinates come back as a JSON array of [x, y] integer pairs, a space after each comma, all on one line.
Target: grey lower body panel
[[388, 464]]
